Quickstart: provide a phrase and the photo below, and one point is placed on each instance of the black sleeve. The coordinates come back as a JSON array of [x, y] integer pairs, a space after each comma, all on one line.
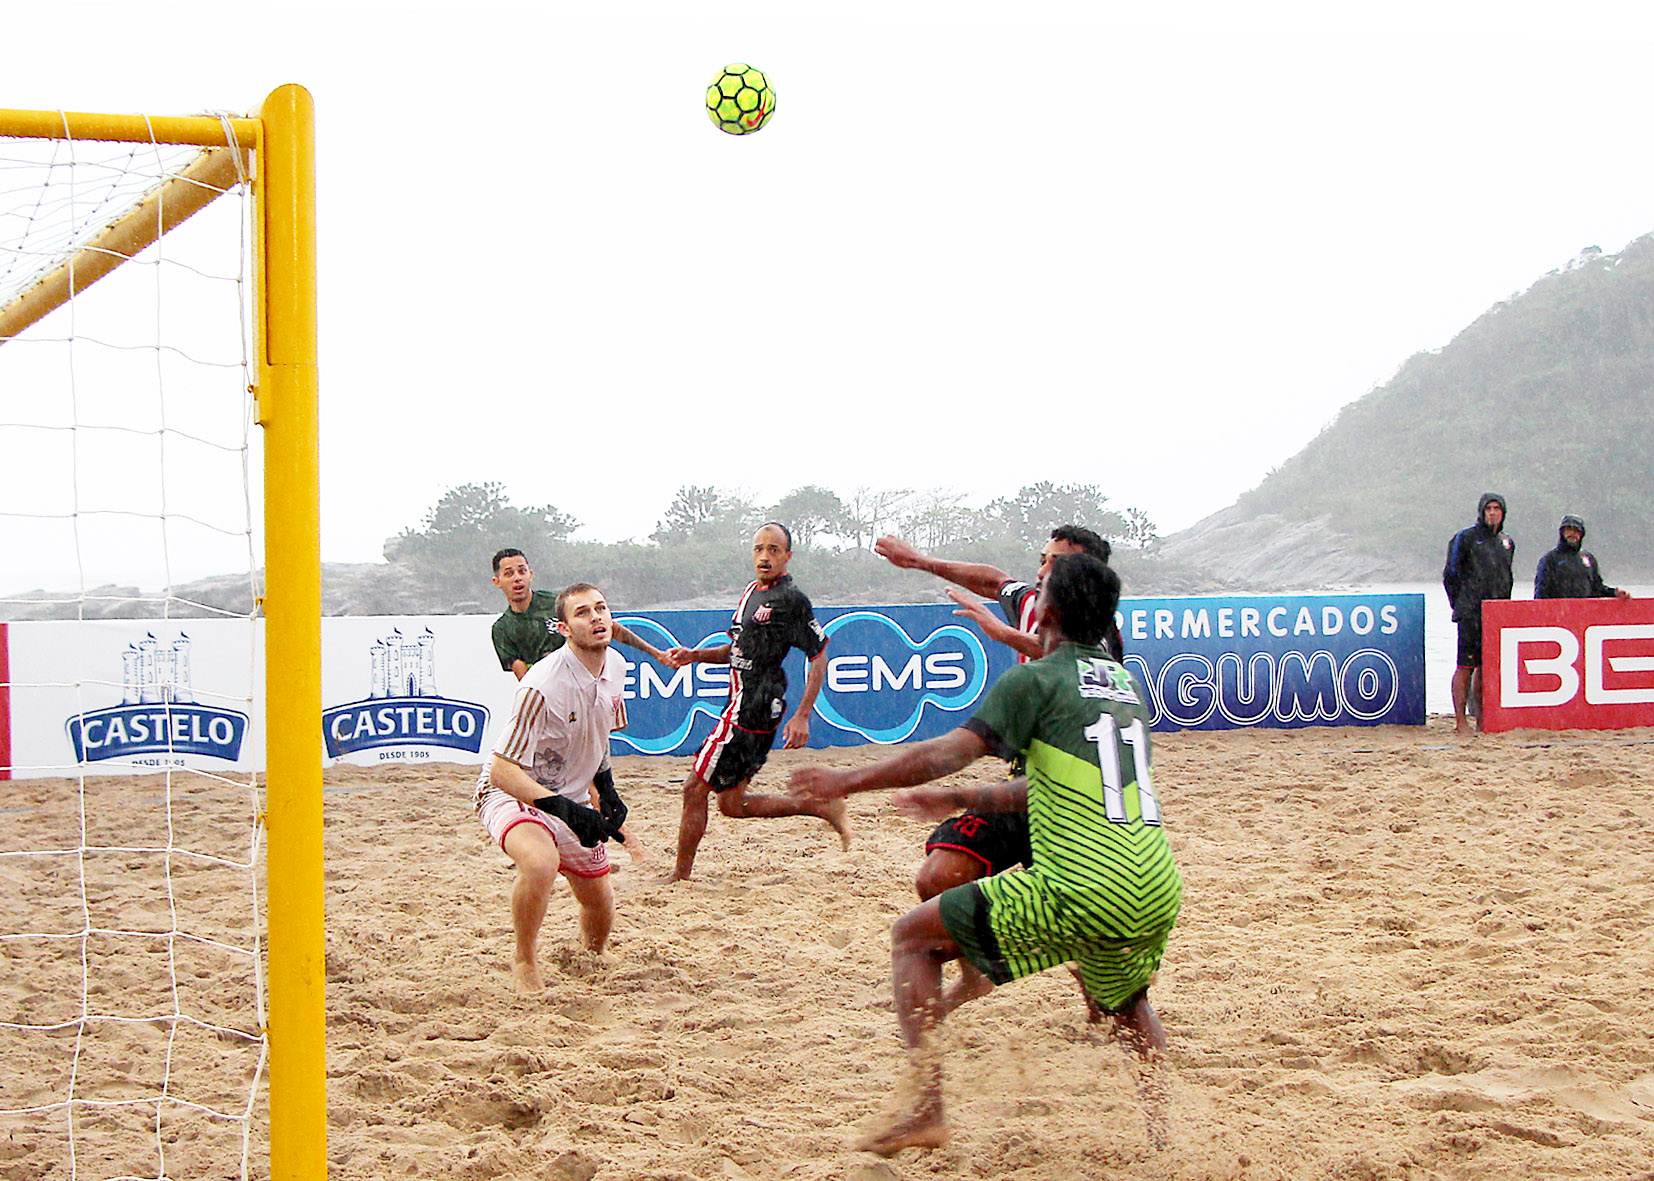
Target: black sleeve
[[996, 744], [806, 633], [585, 823], [1542, 579], [613, 808], [1011, 595]]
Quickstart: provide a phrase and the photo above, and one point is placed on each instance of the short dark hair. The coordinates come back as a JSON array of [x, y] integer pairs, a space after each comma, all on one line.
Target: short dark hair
[[785, 532], [1089, 542], [572, 588], [509, 551], [1085, 593]]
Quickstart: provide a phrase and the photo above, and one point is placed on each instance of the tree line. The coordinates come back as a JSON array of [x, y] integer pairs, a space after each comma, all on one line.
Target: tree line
[[699, 544]]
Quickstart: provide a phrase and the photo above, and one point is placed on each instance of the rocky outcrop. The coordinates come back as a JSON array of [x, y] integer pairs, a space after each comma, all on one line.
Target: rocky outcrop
[[1270, 553]]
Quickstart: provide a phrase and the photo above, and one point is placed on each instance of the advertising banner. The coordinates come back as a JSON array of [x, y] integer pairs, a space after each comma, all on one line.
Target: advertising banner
[[144, 695], [114, 696], [410, 689], [1567, 664], [1278, 661], [893, 674]]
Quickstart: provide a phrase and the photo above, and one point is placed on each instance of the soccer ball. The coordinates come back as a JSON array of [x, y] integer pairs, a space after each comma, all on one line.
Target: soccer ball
[[740, 99]]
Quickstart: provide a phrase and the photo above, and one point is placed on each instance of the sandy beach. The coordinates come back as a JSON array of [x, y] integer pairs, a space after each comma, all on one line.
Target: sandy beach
[[1402, 954]]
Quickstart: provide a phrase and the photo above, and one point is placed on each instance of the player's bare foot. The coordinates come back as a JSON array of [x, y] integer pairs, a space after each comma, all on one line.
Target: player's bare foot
[[528, 978], [837, 814], [924, 1128], [635, 850], [677, 876]]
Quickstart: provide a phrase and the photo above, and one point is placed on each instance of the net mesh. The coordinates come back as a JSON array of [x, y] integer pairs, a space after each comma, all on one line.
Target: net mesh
[[132, 995]]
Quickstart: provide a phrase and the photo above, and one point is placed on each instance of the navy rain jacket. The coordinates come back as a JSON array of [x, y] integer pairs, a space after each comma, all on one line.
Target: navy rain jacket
[[1568, 572], [1479, 563]]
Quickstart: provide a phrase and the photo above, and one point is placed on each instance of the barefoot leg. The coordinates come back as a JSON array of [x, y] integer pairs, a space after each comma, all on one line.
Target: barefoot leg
[[535, 854], [920, 944], [691, 826]]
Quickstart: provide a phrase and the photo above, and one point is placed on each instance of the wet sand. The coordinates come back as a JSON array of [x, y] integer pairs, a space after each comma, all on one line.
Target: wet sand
[[1401, 955]]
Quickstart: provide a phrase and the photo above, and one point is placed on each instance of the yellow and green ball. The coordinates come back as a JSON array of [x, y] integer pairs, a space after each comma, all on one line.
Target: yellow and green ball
[[740, 99]]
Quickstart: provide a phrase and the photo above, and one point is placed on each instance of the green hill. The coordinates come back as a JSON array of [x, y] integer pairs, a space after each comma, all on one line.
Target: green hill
[[1548, 398]]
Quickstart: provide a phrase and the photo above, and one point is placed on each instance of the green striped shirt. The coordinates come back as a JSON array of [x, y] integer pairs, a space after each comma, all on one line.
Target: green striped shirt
[[1100, 852]]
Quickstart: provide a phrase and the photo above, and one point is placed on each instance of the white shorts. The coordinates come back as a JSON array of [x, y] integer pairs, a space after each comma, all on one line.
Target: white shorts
[[500, 813]]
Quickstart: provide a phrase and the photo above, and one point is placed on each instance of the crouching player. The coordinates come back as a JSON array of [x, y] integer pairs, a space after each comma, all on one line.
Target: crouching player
[[552, 755], [1103, 889]]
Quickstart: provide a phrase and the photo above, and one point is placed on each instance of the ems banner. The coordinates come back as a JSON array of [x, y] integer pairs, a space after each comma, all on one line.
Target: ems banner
[[1567, 664], [893, 674]]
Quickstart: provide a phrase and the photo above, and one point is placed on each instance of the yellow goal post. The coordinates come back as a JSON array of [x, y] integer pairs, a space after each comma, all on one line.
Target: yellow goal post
[[273, 152]]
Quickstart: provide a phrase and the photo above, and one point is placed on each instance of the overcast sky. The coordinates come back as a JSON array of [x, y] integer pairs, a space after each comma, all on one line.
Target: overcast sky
[[1152, 248]]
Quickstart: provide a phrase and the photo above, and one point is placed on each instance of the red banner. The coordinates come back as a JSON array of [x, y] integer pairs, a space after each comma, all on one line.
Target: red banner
[[5, 707], [1567, 664]]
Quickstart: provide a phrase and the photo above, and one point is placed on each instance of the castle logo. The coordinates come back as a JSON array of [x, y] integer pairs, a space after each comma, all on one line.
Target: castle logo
[[403, 707], [158, 714]]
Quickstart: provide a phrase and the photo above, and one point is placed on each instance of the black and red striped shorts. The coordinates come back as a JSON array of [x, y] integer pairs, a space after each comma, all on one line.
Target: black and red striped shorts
[[999, 840]]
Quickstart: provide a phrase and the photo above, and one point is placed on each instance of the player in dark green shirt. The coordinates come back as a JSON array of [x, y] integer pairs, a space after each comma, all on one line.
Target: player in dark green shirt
[[1103, 889], [527, 630]]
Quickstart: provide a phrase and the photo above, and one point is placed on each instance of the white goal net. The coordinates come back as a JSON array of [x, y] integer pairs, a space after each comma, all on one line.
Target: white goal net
[[132, 994]]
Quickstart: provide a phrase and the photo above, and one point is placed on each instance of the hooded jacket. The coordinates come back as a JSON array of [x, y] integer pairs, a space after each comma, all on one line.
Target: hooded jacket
[[1479, 562], [1568, 572]]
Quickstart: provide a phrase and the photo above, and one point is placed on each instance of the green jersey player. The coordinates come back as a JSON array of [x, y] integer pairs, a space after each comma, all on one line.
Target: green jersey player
[[1103, 889], [526, 630]]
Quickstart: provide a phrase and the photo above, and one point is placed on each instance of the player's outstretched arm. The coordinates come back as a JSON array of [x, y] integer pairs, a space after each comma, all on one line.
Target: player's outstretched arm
[[994, 627], [631, 639], [680, 656], [938, 801], [975, 577], [916, 764]]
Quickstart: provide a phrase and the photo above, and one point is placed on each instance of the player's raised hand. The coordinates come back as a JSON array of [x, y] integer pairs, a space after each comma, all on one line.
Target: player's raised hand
[[969, 606], [897, 552]]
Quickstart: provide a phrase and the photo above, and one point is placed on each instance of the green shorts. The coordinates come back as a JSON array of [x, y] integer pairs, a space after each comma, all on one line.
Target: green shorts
[[1008, 946]]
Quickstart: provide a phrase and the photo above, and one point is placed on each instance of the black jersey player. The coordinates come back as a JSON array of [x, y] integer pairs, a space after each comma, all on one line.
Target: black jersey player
[[772, 617]]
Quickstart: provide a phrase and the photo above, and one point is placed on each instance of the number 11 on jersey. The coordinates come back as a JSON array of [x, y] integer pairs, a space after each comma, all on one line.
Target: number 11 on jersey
[[1106, 733]]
